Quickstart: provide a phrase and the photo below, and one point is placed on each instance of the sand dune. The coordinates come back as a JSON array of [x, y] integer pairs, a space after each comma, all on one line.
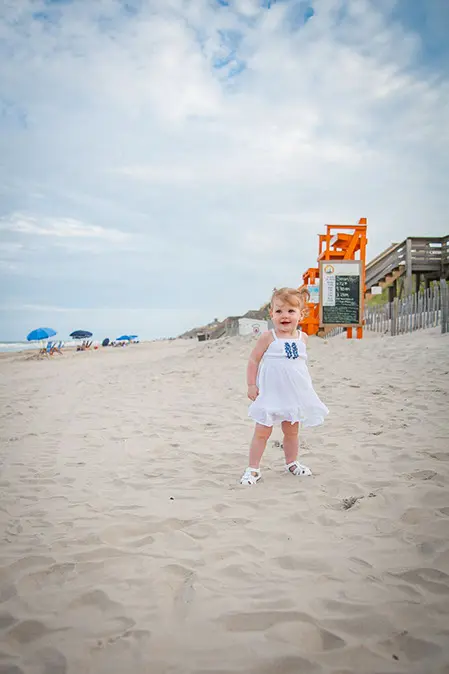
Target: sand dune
[[129, 545]]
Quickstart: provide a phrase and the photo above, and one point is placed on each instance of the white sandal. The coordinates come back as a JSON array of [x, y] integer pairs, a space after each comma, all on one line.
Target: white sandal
[[248, 476], [298, 469]]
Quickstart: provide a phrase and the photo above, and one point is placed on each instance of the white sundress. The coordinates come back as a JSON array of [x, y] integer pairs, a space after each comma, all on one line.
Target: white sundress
[[286, 391]]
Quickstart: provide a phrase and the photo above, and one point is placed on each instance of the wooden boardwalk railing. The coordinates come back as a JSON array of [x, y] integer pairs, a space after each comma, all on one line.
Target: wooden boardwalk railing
[[416, 255]]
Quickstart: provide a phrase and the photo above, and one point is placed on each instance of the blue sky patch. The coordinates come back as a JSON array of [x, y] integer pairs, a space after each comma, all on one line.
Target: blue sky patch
[[230, 41], [237, 68], [223, 61], [429, 19], [131, 7], [308, 14], [298, 14], [51, 16]]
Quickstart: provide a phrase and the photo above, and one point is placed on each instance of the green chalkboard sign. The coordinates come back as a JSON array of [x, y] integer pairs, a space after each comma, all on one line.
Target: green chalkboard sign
[[340, 293]]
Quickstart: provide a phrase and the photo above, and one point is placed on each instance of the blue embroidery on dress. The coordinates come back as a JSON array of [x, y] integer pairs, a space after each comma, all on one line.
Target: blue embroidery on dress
[[291, 350]]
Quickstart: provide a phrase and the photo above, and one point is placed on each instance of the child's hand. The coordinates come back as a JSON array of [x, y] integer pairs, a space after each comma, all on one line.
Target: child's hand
[[253, 392]]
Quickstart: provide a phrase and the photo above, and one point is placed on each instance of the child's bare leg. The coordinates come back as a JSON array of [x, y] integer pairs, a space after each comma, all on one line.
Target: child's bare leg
[[291, 441], [291, 450], [258, 444]]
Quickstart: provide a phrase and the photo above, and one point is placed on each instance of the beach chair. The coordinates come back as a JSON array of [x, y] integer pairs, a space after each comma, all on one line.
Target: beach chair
[[85, 345], [57, 348]]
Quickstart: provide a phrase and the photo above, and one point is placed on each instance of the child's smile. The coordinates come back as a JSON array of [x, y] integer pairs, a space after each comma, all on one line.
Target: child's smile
[[285, 317]]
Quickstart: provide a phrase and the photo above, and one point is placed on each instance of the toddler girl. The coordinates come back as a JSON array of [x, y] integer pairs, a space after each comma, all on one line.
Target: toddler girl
[[280, 386]]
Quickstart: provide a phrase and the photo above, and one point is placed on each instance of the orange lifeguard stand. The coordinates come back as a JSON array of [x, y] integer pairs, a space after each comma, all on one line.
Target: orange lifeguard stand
[[341, 242]]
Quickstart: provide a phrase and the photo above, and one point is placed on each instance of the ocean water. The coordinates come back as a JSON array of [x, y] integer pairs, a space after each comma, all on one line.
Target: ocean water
[[7, 347]]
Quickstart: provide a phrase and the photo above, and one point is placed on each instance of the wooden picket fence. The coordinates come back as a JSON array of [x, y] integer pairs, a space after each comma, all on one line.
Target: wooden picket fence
[[426, 309], [334, 332]]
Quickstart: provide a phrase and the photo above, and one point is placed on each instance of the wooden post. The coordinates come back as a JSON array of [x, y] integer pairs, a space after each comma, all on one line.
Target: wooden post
[[402, 306], [435, 305], [417, 282], [438, 305], [394, 317], [416, 296], [436, 296], [392, 290], [444, 306], [414, 309], [430, 306], [408, 267]]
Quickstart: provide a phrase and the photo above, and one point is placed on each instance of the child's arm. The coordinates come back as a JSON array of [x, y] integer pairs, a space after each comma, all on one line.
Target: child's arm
[[304, 337], [253, 363]]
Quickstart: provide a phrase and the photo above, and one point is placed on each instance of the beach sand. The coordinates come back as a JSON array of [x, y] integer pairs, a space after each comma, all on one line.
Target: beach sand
[[128, 544]]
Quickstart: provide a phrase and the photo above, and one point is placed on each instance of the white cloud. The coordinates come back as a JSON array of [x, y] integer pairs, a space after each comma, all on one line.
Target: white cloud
[[59, 228], [141, 124]]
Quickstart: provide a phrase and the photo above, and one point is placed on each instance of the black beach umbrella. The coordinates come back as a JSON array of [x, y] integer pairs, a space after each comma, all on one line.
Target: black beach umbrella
[[80, 334]]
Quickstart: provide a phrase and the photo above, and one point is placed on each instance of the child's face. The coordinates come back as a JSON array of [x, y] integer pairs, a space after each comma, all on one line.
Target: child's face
[[285, 316]]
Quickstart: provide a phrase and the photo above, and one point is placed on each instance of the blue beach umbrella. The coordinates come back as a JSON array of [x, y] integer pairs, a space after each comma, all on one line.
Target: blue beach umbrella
[[123, 338], [133, 336], [40, 333]]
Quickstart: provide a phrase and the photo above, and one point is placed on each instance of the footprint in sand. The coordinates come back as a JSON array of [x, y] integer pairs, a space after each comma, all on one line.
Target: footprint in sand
[[439, 456], [423, 474], [47, 661], [288, 626], [287, 664], [413, 649], [433, 580], [26, 631], [6, 620], [10, 669]]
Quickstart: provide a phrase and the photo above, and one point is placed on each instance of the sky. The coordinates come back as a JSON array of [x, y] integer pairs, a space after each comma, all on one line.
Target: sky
[[167, 162]]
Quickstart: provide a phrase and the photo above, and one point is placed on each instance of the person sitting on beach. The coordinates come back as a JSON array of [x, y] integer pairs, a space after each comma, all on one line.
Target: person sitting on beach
[[57, 348], [279, 384]]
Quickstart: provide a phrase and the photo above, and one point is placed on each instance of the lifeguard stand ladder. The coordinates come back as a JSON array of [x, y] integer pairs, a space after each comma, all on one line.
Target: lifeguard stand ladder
[[341, 242]]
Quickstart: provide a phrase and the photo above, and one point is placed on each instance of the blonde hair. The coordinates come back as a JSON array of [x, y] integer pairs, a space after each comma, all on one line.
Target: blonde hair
[[294, 297]]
